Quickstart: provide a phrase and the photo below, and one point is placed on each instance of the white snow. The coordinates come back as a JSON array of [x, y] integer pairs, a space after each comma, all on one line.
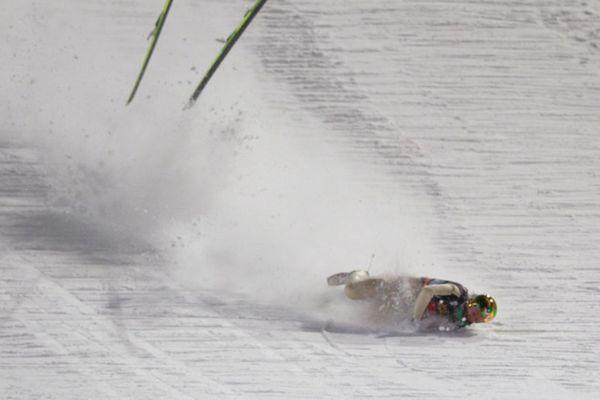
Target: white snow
[[151, 252]]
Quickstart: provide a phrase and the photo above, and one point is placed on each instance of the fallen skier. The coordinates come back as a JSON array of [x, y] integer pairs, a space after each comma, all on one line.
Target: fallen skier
[[436, 303]]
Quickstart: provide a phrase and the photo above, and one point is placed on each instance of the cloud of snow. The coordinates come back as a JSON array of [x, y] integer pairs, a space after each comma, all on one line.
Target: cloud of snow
[[235, 193]]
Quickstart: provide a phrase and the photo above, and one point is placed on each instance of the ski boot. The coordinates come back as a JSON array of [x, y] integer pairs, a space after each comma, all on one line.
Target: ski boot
[[343, 278]]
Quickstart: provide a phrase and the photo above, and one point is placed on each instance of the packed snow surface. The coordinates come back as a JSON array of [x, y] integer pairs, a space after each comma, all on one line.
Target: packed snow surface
[[151, 252]]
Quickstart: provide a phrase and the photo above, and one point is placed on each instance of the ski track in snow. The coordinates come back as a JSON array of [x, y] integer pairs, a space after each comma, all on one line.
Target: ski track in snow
[[488, 111]]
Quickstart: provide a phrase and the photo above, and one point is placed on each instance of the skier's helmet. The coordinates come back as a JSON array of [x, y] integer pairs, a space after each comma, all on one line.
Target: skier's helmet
[[486, 304]]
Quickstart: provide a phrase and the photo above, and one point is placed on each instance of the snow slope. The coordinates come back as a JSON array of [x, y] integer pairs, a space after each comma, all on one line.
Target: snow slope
[[150, 252]]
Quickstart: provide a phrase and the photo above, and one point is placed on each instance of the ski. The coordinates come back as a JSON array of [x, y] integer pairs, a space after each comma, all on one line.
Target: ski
[[160, 22], [229, 43]]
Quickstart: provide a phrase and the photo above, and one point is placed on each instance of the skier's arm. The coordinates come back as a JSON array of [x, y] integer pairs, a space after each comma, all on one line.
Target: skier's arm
[[427, 293]]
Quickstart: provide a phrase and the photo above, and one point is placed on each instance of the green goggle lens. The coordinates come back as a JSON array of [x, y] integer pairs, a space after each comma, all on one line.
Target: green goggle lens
[[486, 308]]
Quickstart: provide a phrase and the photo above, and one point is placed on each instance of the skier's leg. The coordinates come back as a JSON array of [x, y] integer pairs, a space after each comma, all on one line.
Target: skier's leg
[[363, 289]]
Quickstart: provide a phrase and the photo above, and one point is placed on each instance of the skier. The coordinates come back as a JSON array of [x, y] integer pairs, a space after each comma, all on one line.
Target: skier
[[440, 304]]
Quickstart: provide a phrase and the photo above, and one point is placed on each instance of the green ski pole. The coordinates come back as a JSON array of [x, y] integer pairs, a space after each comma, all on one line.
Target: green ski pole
[[160, 22], [235, 35]]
